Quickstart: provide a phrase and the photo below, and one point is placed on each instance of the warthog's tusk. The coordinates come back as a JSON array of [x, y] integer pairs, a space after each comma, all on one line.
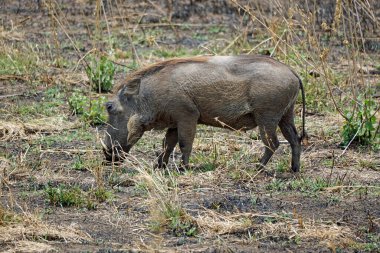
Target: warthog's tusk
[[105, 148]]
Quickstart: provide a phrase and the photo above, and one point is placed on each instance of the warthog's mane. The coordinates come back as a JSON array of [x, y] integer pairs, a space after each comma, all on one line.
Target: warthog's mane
[[156, 67]]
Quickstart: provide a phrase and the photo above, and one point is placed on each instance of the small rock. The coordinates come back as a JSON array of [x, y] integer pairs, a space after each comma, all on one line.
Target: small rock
[[368, 70]]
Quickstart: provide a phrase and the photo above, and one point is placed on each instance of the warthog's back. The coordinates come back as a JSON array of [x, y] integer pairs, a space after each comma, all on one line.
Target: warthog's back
[[230, 88]]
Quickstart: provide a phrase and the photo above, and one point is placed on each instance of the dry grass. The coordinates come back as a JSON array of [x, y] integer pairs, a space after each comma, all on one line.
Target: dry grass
[[36, 230], [29, 234], [329, 235], [214, 223], [12, 35], [33, 128]]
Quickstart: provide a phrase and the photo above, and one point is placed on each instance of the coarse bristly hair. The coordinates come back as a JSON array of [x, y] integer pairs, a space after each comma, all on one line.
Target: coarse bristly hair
[[153, 68]]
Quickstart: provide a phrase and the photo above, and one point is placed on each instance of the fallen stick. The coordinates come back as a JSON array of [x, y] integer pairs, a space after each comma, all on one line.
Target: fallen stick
[[10, 95], [332, 188], [6, 77]]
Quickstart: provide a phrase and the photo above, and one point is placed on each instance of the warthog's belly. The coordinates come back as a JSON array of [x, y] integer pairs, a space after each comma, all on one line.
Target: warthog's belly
[[241, 123]]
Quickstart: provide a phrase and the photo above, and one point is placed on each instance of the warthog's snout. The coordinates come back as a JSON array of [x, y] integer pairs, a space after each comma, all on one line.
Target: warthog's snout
[[114, 155], [108, 154]]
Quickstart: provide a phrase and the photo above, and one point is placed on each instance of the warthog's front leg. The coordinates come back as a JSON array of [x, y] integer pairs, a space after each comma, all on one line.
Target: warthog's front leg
[[171, 139]]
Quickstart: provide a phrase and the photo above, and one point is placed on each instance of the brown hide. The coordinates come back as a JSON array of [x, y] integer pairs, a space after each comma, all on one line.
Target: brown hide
[[236, 92]]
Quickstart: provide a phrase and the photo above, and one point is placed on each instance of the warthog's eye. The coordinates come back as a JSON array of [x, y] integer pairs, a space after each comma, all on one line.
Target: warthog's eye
[[109, 106]]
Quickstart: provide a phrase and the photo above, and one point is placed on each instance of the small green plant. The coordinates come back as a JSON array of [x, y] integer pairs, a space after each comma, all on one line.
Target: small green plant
[[101, 194], [78, 164], [216, 29], [141, 188], [371, 244], [282, 166], [64, 196], [368, 164], [81, 134], [309, 185], [209, 162], [254, 200], [47, 109], [361, 125], [271, 220], [101, 73], [178, 222], [276, 185], [92, 111], [18, 61], [7, 217], [304, 185], [78, 102], [166, 210], [49, 105], [96, 114]]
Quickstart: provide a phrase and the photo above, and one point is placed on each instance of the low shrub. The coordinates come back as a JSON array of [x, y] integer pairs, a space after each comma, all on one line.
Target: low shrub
[[91, 111], [101, 73], [361, 125]]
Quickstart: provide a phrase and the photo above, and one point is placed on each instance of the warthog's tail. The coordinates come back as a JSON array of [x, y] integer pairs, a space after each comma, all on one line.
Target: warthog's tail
[[303, 136]]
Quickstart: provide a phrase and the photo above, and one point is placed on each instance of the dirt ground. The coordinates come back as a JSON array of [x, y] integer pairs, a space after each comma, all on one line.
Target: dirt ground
[[332, 205]]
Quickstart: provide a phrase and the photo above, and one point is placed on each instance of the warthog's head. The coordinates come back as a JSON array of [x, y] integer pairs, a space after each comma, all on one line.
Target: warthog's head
[[121, 114], [116, 136]]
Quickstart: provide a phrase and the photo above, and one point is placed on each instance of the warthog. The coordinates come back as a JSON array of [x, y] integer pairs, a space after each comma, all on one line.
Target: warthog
[[235, 92]]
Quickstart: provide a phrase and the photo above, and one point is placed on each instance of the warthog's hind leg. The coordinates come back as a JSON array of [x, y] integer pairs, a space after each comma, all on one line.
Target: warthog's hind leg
[[186, 134], [289, 131], [270, 140]]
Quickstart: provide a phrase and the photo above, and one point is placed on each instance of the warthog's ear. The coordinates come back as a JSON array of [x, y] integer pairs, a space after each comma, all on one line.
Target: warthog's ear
[[132, 88]]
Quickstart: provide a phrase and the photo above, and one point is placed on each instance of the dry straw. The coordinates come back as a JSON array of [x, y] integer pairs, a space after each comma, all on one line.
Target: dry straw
[[28, 234], [213, 223], [18, 130]]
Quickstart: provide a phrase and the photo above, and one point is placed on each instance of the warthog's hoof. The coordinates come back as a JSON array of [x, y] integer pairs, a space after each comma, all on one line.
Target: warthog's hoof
[[159, 165]]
